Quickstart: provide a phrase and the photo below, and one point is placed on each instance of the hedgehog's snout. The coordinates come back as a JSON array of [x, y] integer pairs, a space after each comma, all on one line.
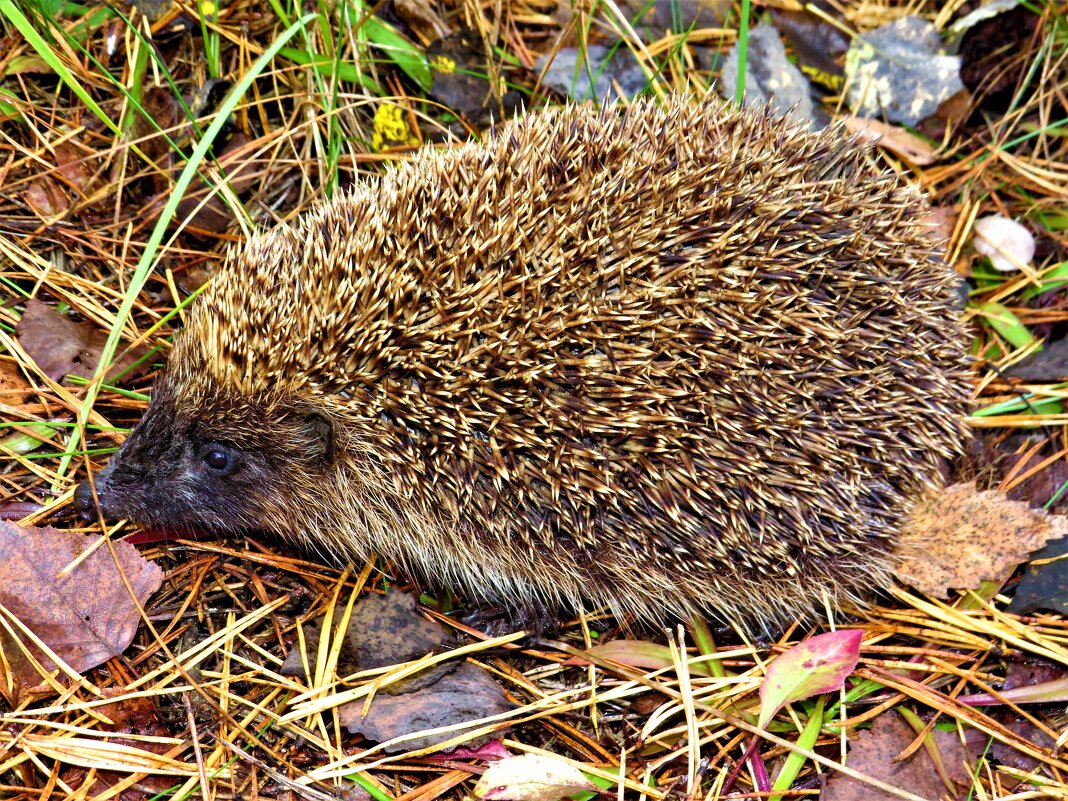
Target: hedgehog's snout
[[84, 503], [116, 485]]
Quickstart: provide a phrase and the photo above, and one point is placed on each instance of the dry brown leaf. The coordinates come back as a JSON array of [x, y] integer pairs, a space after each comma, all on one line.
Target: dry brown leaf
[[874, 753], [422, 18], [75, 167], [383, 630], [214, 214], [85, 615], [532, 777], [46, 198], [387, 630], [128, 716], [941, 222], [465, 694], [897, 140], [62, 347], [959, 537], [14, 391]]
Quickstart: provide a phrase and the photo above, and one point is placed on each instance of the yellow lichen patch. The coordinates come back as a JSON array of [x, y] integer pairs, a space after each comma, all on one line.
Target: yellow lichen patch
[[443, 63], [392, 129]]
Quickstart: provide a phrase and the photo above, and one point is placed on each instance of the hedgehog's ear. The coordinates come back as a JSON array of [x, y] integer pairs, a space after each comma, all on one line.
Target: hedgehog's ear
[[322, 429], [315, 438]]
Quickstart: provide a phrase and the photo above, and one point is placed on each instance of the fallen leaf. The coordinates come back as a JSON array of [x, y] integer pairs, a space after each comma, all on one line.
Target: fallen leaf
[[62, 347], [383, 630], [487, 752], [959, 537], [1030, 674], [1049, 365], [27, 438], [637, 653], [465, 694], [75, 167], [45, 197], [997, 50], [1005, 753], [1007, 325], [214, 214], [387, 630], [941, 222], [422, 19], [531, 777], [875, 753], [818, 665], [15, 391], [1045, 582], [85, 615], [893, 138], [128, 716]]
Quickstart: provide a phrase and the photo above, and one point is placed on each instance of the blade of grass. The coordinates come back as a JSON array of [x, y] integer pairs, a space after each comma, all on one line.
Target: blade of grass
[[791, 768], [743, 50]]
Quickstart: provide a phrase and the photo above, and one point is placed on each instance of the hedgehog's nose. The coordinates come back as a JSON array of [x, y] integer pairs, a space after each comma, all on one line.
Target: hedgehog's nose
[[83, 502]]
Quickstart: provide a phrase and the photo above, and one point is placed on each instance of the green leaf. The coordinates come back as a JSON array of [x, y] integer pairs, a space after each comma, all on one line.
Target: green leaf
[[1007, 324], [22, 442], [791, 768], [9, 104], [1050, 280], [818, 665], [1028, 404], [642, 654], [399, 50], [44, 50], [328, 66]]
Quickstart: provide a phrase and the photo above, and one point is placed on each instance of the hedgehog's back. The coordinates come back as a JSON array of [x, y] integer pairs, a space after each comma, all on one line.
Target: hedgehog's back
[[675, 341]]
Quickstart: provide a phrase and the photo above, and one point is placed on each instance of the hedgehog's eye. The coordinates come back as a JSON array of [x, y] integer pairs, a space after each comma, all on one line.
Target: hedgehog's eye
[[218, 458]]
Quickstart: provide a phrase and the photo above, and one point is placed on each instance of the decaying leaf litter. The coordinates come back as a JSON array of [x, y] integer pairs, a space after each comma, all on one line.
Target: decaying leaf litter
[[199, 704]]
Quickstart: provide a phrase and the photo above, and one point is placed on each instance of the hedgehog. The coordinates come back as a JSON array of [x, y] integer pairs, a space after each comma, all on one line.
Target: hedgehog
[[672, 359]]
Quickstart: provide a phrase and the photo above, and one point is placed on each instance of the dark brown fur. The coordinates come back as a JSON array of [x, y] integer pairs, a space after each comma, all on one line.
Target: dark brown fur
[[675, 359]]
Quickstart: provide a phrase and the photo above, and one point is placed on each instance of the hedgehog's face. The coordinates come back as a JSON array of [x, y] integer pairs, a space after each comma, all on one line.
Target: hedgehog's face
[[231, 465]]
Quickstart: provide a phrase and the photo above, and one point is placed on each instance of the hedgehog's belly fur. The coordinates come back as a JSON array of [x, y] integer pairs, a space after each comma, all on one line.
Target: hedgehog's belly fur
[[677, 360]]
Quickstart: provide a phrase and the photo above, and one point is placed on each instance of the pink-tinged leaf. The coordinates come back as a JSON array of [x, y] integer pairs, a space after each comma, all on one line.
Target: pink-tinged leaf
[[638, 654], [487, 752], [1047, 692], [635, 653], [818, 665]]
